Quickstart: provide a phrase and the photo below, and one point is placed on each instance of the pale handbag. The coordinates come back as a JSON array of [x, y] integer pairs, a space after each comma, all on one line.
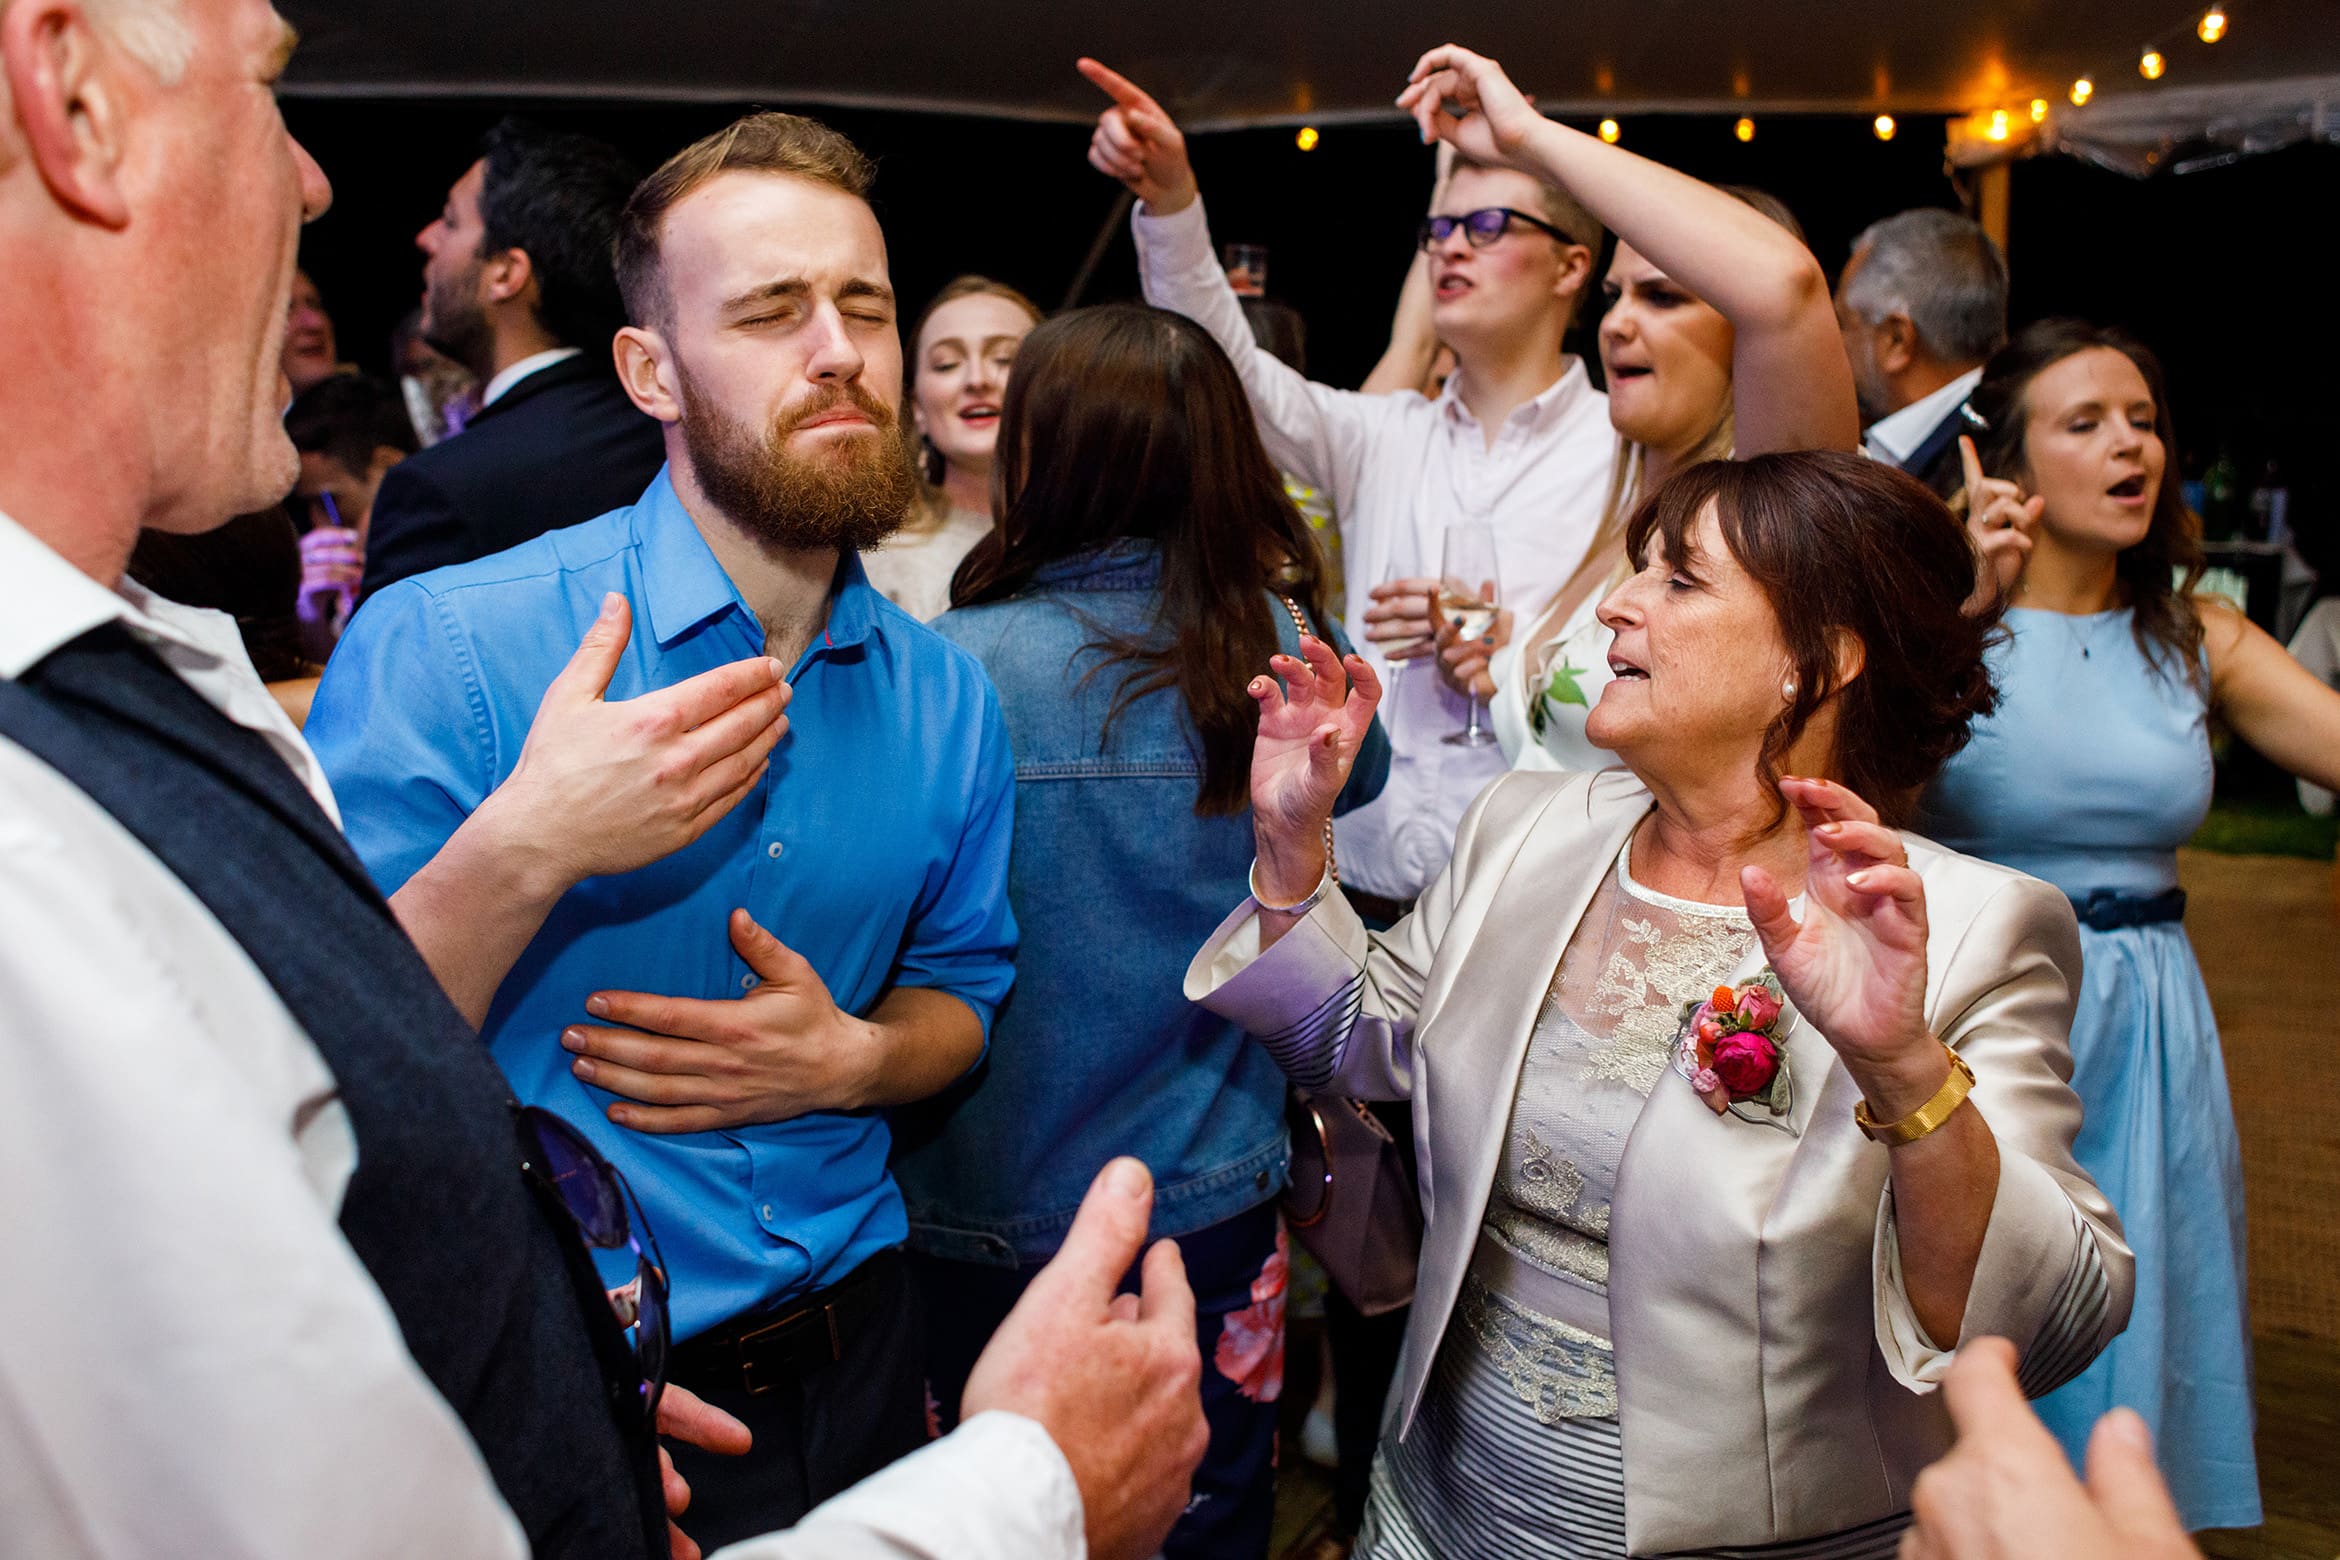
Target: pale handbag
[[1353, 1202]]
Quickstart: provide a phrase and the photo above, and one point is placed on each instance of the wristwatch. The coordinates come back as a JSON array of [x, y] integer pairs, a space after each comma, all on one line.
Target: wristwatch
[[1926, 1117]]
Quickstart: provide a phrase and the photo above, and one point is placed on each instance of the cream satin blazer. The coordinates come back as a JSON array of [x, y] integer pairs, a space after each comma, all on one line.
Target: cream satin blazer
[[1772, 1384]]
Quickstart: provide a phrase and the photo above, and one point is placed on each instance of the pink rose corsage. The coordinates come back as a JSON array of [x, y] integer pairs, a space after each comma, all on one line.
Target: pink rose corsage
[[1733, 1049]]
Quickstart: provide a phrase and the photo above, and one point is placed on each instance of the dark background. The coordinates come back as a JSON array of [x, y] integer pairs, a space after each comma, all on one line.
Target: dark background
[[2218, 270]]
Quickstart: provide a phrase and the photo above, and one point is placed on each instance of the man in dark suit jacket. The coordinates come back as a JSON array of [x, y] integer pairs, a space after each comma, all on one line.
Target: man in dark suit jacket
[[518, 289], [1922, 304]]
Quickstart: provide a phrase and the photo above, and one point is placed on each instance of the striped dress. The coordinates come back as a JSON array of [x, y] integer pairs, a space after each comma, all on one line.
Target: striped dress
[[1516, 1452]]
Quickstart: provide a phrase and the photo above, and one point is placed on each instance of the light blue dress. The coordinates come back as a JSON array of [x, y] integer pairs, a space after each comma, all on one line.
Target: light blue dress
[[2095, 768]]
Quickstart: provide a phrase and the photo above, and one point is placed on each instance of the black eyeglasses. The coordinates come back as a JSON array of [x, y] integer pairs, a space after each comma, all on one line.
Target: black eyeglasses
[[556, 1157], [1481, 227]]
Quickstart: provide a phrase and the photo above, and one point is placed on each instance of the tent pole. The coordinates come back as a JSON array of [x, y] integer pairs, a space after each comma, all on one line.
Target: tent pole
[[1115, 220], [1993, 200]]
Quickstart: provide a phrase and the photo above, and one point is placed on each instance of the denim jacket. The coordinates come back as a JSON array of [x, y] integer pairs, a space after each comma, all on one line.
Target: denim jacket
[[1115, 882]]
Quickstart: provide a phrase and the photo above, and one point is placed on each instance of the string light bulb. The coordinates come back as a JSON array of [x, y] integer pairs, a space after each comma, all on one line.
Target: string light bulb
[[2151, 65], [1610, 131], [2212, 27], [1998, 129], [2082, 91], [1744, 129], [1307, 138], [1884, 126], [2039, 107]]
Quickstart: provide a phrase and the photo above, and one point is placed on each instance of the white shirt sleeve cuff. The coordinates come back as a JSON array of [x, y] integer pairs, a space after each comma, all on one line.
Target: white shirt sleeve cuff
[[997, 1488]]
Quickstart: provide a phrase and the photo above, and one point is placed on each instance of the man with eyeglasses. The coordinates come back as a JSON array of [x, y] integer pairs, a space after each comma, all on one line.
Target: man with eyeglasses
[[1519, 440], [287, 1274]]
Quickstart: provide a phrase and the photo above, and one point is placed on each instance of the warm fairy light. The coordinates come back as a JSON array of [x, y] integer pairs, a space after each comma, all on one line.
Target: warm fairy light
[[2212, 27], [1307, 138], [2082, 91], [1998, 129], [1610, 131], [2152, 65], [1884, 127], [1744, 129], [2039, 111]]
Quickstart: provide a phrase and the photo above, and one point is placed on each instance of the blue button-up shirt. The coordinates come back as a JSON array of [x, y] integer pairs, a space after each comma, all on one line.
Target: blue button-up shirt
[[877, 847]]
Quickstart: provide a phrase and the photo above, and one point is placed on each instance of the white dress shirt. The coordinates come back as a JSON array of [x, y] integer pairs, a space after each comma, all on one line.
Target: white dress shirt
[[1896, 436], [192, 1359], [1399, 470], [499, 386]]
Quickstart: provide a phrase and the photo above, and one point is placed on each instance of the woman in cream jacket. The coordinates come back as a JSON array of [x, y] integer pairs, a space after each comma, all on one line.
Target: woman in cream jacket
[[1674, 1296]]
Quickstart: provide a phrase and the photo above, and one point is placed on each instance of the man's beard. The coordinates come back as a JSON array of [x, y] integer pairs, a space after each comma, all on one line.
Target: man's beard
[[456, 326], [853, 495]]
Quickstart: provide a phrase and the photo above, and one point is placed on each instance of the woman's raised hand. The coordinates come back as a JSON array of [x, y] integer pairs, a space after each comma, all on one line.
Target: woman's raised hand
[[2001, 522], [1310, 730], [1465, 100], [1855, 966]]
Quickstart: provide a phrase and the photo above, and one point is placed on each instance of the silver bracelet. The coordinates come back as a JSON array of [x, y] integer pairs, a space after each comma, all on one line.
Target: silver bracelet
[[1315, 895]]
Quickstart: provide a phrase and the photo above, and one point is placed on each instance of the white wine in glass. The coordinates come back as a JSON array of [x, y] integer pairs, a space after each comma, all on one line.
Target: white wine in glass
[[1467, 598]]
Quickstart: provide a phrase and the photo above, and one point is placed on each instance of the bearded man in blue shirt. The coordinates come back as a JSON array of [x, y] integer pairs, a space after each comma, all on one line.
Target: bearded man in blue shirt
[[721, 975]]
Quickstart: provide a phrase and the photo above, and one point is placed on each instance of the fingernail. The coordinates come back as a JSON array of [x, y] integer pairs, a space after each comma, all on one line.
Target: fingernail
[[1859, 879], [1129, 1178], [1831, 828], [572, 1039], [779, 670], [609, 604], [583, 1068], [2128, 1425], [598, 1006]]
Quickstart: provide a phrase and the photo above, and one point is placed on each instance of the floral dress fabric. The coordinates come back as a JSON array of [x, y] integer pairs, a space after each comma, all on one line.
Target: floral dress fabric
[[1539, 711], [1516, 1451]]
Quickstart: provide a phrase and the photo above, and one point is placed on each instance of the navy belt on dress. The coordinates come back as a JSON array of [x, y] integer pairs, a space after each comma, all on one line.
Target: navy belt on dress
[[2107, 911]]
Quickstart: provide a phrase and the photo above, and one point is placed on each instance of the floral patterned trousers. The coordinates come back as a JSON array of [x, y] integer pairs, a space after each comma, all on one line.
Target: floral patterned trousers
[[1238, 1270]]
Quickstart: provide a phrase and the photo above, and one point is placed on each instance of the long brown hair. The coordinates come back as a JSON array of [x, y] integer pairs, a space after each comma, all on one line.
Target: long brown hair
[[2159, 574], [1125, 422], [1843, 545]]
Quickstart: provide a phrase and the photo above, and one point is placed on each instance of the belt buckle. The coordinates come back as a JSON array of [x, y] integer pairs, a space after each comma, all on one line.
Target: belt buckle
[[788, 1332]]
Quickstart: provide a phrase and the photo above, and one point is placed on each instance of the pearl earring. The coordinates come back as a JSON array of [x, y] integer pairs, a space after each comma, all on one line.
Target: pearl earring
[[1787, 690]]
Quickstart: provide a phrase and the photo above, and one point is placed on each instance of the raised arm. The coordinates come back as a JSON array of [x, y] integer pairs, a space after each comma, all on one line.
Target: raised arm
[[1792, 386], [1318, 434], [1989, 1226], [2279, 706]]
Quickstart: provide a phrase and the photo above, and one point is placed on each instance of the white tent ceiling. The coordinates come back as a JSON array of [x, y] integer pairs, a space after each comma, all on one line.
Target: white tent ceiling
[[1224, 63]]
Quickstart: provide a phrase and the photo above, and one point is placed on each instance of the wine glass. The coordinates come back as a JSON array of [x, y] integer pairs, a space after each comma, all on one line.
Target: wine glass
[[1467, 599]]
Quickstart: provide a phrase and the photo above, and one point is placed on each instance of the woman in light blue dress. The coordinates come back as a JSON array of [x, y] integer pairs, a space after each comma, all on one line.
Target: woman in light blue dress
[[2094, 769]]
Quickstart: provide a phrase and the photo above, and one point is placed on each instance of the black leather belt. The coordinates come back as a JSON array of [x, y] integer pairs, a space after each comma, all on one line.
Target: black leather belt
[[2106, 911], [767, 1349], [1388, 912]]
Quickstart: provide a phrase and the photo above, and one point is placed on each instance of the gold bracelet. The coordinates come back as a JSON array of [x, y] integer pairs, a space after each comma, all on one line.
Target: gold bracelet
[[1926, 1117]]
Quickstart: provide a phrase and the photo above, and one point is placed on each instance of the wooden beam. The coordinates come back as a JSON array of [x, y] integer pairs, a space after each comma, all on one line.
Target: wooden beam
[[1993, 201]]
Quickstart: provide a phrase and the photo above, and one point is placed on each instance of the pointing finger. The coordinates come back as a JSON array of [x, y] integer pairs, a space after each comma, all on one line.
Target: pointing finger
[[1115, 85], [1971, 464]]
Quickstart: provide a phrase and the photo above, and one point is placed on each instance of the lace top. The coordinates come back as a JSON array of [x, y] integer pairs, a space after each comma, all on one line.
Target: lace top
[[1602, 1041]]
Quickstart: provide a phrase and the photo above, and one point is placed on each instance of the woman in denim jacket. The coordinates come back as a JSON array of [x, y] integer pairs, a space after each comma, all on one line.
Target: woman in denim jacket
[[1139, 575]]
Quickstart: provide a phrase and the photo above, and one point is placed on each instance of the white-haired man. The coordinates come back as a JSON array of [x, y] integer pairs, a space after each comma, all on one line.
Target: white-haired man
[[288, 1274]]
